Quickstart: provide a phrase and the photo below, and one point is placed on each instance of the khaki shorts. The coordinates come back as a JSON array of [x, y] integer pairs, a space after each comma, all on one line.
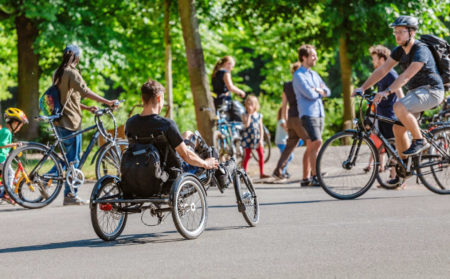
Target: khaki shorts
[[421, 99]]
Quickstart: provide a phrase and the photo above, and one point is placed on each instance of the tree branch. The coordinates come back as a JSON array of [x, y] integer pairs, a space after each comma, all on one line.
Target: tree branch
[[4, 15]]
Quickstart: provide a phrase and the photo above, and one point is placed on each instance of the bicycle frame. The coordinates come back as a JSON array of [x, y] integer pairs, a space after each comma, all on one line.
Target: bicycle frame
[[58, 143], [408, 168]]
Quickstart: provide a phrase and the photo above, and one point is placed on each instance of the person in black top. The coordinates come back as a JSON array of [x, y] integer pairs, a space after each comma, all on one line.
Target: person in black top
[[222, 83], [149, 122], [295, 131], [422, 78]]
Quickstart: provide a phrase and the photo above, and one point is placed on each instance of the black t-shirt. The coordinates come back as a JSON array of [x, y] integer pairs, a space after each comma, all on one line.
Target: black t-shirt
[[288, 89], [428, 75], [386, 107], [220, 88], [144, 126]]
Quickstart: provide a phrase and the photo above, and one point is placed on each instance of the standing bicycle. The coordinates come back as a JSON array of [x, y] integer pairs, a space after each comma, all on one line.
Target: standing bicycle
[[228, 134], [39, 169]]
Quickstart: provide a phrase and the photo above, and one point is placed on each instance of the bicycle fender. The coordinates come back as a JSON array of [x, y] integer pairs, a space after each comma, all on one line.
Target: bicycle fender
[[98, 151], [96, 189], [176, 185], [46, 147], [236, 182]]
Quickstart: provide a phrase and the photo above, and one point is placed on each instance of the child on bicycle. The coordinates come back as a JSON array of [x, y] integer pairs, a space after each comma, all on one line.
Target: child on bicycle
[[15, 118], [253, 137]]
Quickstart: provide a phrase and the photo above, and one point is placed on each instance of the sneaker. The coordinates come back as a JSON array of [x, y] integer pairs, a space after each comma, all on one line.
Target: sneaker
[[278, 176], [74, 200], [394, 182], [315, 182], [305, 182], [264, 176], [416, 147]]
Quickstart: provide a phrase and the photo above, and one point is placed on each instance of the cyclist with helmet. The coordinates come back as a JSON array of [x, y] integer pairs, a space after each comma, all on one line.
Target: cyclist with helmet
[[15, 118], [421, 77]]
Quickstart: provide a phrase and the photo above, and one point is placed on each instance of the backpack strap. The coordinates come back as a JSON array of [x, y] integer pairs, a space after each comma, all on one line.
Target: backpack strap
[[68, 97], [412, 51]]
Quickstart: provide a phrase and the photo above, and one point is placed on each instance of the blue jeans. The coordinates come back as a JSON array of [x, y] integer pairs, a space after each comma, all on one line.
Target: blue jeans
[[282, 147], [189, 168], [73, 150]]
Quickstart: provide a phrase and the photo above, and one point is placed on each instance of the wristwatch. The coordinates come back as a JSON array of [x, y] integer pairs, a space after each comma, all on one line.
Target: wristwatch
[[388, 90]]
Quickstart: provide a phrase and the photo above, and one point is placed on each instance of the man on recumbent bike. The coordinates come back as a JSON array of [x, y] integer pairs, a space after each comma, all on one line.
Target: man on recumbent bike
[[149, 122]]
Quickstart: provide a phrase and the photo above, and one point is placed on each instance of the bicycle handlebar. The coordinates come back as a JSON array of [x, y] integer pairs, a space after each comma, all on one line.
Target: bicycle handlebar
[[111, 108], [368, 97]]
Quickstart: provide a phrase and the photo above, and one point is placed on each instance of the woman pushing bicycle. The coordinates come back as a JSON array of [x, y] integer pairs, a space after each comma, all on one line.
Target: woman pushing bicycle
[[222, 83], [72, 89]]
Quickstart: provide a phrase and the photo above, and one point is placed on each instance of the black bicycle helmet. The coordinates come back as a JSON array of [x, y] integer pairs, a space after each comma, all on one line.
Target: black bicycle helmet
[[406, 21], [409, 22]]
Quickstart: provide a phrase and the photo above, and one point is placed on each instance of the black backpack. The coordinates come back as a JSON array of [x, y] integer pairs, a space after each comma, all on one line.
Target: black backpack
[[141, 174], [441, 53]]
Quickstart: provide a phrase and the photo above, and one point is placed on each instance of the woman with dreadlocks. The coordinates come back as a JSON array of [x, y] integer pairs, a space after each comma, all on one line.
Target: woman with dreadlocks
[[72, 88]]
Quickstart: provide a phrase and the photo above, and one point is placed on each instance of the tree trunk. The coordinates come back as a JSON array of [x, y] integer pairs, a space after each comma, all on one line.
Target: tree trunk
[[196, 67], [346, 76], [29, 73], [168, 43]]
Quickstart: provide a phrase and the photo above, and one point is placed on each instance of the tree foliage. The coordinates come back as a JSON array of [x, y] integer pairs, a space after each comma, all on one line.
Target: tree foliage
[[123, 41]]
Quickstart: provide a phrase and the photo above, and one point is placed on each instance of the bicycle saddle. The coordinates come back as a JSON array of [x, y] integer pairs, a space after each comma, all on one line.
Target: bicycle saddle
[[43, 118]]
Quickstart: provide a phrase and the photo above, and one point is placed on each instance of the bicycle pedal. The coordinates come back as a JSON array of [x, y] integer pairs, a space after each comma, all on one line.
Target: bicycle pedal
[[241, 207]]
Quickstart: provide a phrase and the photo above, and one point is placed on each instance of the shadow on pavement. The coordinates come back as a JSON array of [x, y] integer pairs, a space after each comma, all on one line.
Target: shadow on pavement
[[93, 243], [131, 239], [12, 209]]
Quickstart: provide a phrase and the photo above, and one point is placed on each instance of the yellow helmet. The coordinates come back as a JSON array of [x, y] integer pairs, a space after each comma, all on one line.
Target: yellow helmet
[[16, 114]]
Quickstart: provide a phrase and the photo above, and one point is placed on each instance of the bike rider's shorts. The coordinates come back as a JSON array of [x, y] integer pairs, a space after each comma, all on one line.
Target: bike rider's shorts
[[421, 99]]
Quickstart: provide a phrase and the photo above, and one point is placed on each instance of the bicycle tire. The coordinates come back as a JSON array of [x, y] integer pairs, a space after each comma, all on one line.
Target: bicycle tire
[[111, 156], [107, 126], [111, 215], [436, 178], [18, 152], [267, 149], [324, 158], [380, 176], [248, 196], [181, 192]]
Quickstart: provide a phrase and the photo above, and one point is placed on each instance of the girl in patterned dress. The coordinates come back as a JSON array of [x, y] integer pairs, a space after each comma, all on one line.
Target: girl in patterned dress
[[253, 137]]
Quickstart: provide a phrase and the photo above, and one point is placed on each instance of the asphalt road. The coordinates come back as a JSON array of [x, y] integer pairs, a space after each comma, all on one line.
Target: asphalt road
[[303, 233]]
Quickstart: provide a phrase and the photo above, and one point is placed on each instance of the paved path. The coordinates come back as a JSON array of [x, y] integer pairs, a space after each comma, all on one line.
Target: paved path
[[303, 233]]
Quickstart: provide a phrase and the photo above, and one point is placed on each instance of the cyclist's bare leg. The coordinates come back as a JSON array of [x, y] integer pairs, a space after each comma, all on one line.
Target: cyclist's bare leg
[[401, 139], [306, 162], [408, 120]]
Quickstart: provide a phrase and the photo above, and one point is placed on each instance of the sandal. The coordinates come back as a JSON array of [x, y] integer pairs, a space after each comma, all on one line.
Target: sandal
[[367, 169], [8, 199]]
